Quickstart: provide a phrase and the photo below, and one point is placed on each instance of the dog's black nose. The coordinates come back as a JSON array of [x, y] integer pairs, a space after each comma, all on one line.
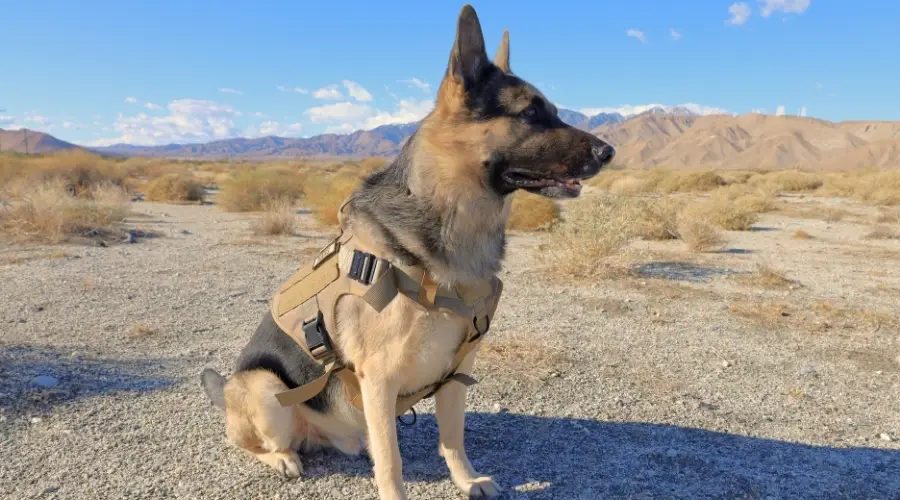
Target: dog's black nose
[[604, 154]]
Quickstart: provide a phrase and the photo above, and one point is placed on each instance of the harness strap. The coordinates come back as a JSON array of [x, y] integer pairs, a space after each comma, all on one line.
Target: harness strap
[[311, 295]]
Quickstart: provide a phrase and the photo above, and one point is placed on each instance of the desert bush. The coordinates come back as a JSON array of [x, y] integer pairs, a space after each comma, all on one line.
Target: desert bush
[[590, 234], [698, 232], [723, 213], [324, 194], [277, 219], [77, 171], [802, 235], [689, 182], [51, 212], [174, 188], [883, 233], [788, 181], [250, 190], [531, 212]]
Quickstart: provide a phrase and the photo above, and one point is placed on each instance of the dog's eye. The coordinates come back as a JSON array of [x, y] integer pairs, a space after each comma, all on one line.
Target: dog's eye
[[530, 112]]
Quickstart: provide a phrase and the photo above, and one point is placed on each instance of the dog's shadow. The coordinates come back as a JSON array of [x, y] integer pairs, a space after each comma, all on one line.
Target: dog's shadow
[[541, 457]]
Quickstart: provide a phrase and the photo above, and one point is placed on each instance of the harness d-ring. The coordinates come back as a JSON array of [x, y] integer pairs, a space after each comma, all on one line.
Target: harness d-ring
[[414, 418]]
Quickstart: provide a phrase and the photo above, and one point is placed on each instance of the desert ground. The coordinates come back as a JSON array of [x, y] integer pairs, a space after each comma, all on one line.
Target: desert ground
[[765, 366]]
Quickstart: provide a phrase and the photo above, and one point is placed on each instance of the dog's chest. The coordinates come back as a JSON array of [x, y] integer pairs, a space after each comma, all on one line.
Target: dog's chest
[[403, 342]]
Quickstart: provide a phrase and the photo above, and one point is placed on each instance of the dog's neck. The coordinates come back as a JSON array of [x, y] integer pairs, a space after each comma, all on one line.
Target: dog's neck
[[409, 213]]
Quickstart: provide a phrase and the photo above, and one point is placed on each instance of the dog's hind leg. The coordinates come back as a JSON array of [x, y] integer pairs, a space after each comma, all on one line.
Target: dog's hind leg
[[450, 406], [258, 424]]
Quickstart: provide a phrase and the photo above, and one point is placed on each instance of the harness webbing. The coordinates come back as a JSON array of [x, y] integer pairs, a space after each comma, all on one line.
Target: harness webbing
[[305, 305]]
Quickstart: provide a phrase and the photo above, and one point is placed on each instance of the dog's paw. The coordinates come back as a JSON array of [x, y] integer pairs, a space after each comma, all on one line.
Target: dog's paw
[[480, 487], [287, 464]]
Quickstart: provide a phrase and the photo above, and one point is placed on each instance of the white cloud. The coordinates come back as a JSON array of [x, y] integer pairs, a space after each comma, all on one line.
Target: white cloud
[[329, 93], [131, 100], [189, 120], [6, 120], [297, 90], [347, 116], [226, 90], [357, 91], [340, 111], [637, 34], [152, 107], [675, 34], [257, 114], [779, 111], [740, 13], [40, 120], [71, 125], [785, 6], [420, 84], [268, 128], [631, 110]]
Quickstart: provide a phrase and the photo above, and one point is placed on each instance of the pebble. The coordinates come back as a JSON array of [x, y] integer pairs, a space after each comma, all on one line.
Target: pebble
[[45, 381], [885, 437], [725, 364], [671, 453], [36, 420]]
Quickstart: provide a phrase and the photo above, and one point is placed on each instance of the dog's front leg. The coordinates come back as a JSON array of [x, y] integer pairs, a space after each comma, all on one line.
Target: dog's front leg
[[380, 406], [450, 404]]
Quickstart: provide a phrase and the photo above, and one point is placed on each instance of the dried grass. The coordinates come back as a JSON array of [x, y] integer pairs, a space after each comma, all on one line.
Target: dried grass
[[279, 218], [531, 212], [177, 188], [250, 190], [50, 212]]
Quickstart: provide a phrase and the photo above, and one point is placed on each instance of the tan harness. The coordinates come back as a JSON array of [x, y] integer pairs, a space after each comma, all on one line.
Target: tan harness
[[304, 308]]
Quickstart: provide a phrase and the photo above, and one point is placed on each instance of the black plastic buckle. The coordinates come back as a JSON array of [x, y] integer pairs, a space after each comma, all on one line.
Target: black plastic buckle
[[362, 268], [478, 330], [317, 337]]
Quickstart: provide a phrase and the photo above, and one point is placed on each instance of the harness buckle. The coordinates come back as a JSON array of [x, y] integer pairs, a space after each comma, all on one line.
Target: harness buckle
[[362, 268], [317, 338]]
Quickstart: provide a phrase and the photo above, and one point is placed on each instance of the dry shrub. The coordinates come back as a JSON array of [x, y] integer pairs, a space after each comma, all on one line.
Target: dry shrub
[[653, 219], [177, 188], [277, 219], [802, 235], [532, 212], [77, 171], [788, 181], [590, 234], [883, 233], [524, 355], [698, 232], [878, 187], [50, 212], [140, 331], [681, 182], [752, 199], [326, 192], [250, 190], [886, 216], [767, 276]]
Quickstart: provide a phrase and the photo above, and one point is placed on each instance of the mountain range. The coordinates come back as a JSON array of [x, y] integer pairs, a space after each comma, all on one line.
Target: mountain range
[[661, 137]]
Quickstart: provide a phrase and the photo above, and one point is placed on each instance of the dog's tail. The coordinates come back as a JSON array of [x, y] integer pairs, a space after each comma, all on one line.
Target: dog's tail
[[214, 386]]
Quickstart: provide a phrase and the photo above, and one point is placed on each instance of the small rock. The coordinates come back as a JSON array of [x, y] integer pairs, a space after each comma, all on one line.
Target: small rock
[[885, 437], [2, 419], [497, 407], [37, 309], [50, 489], [725, 364], [627, 299], [671, 453], [878, 372], [45, 381], [185, 231], [36, 420]]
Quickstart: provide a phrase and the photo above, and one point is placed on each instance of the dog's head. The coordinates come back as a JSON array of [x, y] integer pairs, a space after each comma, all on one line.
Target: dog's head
[[507, 132]]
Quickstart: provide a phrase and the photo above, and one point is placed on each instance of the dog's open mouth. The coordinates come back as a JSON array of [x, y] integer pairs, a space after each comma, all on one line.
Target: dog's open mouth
[[543, 183]]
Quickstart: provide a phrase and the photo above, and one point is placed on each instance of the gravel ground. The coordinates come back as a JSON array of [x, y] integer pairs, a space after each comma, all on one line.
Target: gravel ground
[[639, 387]]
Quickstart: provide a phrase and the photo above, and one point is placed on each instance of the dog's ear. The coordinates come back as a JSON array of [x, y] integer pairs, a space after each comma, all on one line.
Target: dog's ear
[[501, 58], [468, 59]]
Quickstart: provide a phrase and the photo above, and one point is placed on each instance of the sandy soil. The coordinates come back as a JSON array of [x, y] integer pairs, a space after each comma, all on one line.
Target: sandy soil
[[687, 379]]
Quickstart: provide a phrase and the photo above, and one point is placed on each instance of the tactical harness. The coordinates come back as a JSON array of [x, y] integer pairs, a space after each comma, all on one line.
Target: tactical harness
[[304, 308]]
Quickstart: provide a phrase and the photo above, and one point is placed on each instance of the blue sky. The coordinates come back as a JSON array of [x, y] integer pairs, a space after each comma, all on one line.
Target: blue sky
[[166, 71]]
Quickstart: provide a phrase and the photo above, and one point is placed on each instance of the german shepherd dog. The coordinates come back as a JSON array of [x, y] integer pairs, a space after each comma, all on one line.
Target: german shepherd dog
[[442, 203]]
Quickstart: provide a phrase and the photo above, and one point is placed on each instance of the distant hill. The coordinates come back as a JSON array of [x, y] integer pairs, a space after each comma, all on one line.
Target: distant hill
[[386, 141], [751, 141], [33, 142]]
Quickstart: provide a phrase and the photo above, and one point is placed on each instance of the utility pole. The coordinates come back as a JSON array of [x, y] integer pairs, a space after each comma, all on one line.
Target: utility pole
[[25, 131]]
